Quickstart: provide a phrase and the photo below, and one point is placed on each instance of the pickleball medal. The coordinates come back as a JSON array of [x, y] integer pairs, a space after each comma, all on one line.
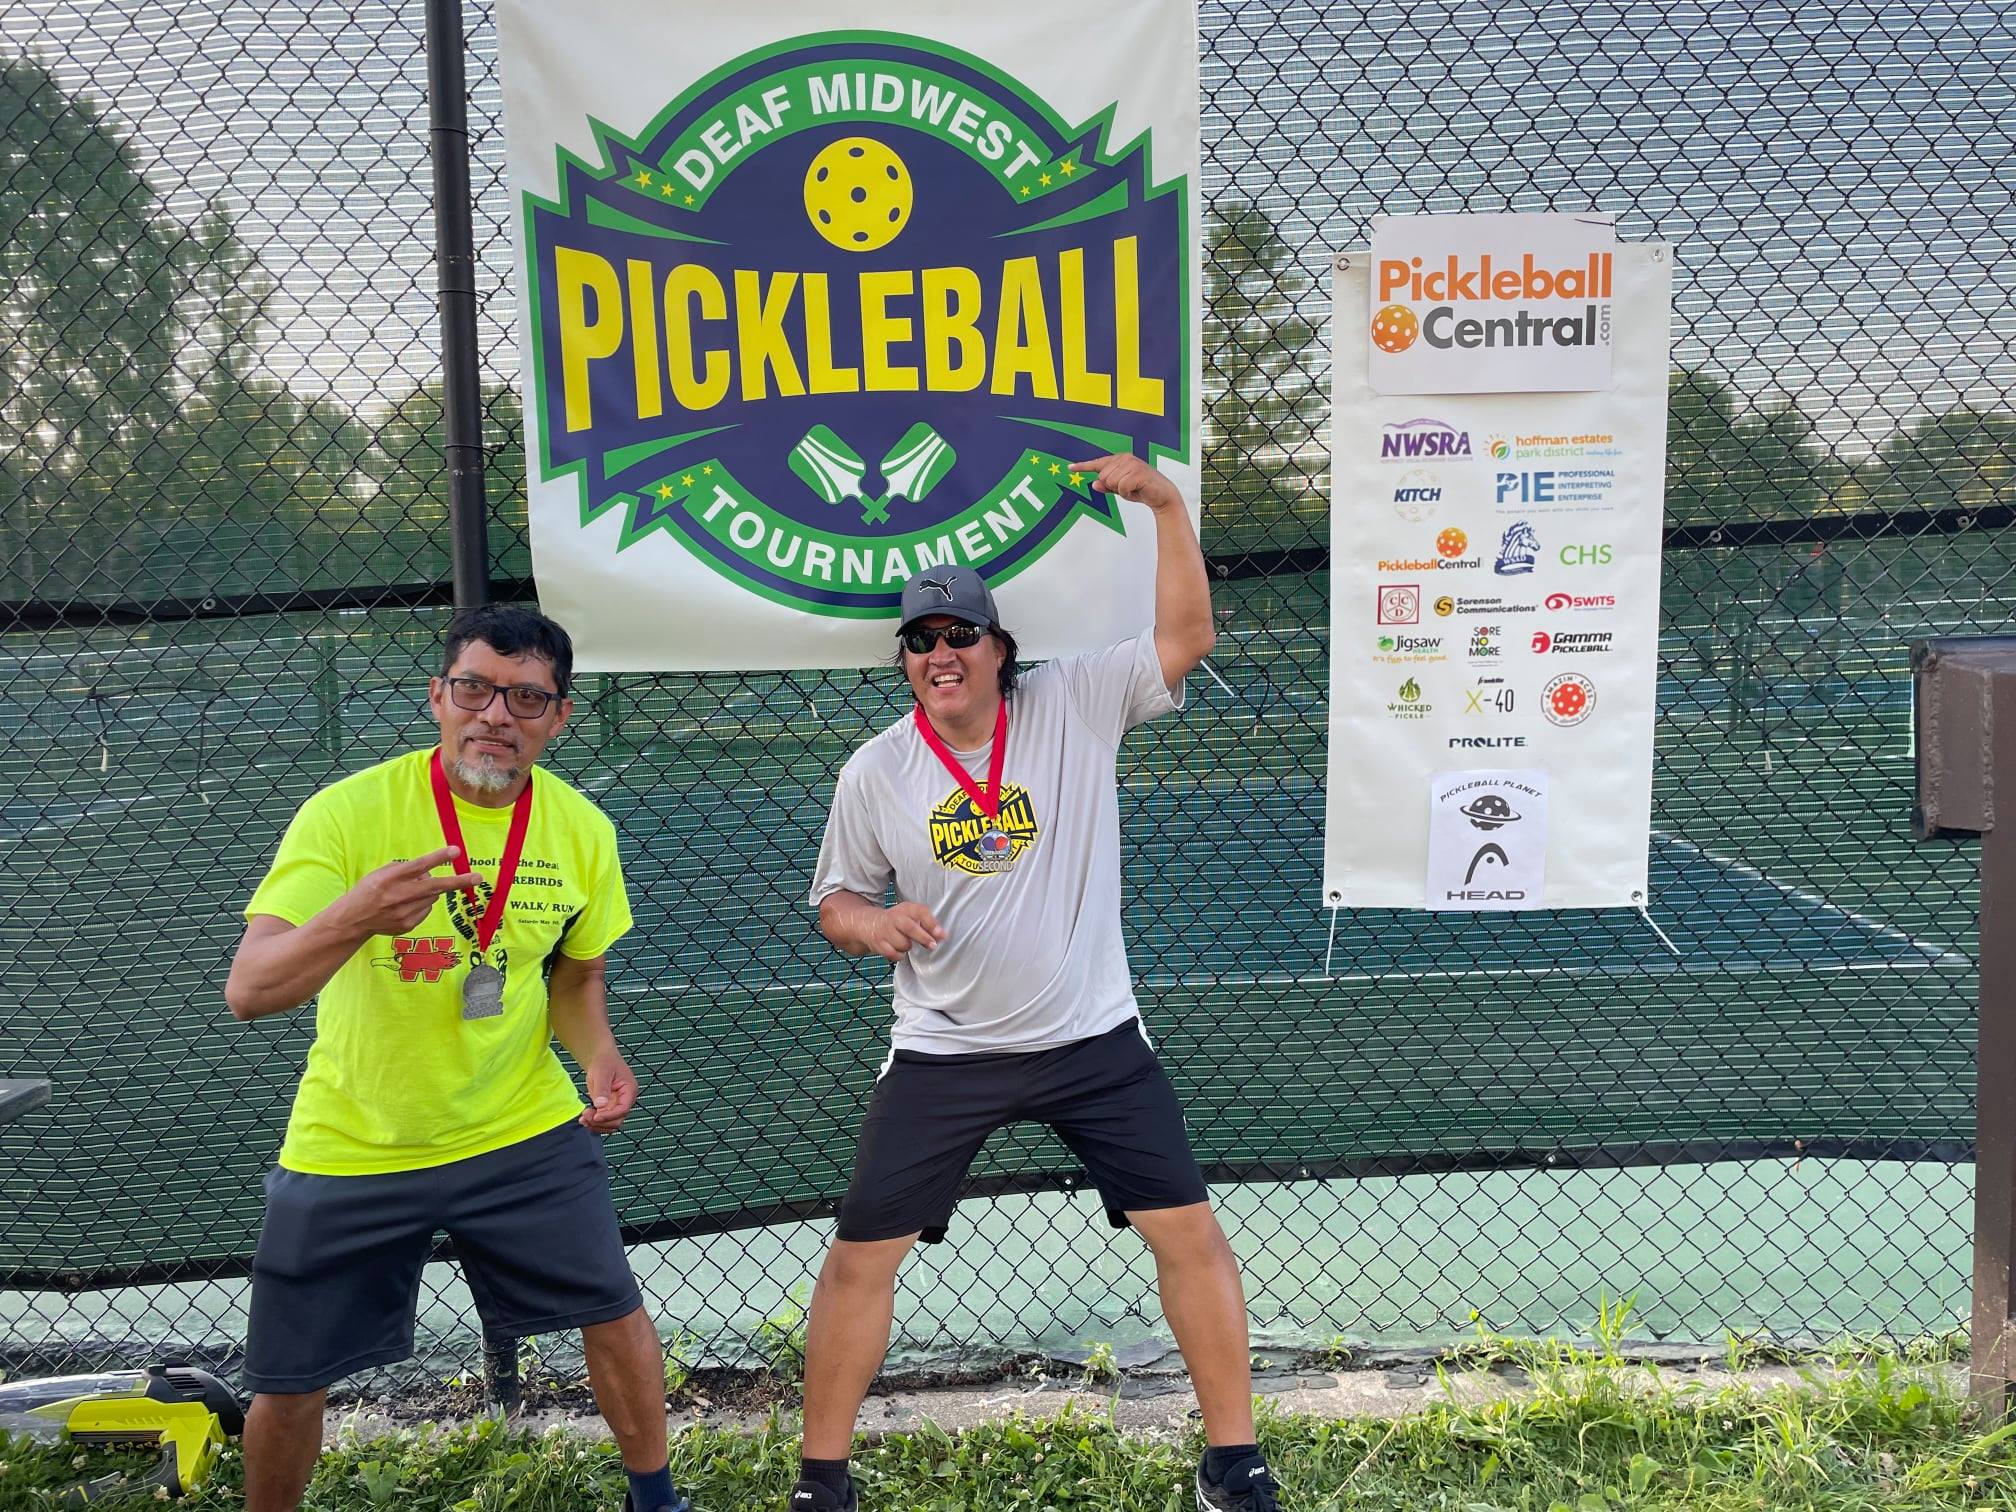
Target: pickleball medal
[[483, 987], [995, 852]]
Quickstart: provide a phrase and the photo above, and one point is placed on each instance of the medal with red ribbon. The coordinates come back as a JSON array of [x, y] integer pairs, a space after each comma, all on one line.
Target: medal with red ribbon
[[988, 799], [483, 988]]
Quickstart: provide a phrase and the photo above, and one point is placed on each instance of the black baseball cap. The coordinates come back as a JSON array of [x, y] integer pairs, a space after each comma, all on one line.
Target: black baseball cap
[[958, 593]]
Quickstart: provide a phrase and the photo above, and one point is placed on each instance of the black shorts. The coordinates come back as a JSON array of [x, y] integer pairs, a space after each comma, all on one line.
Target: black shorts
[[337, 1277], [1107, 1098]]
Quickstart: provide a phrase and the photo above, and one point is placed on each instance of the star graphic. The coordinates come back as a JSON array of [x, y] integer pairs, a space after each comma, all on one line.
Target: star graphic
[[666, 190], [689, 199], [707, 471], [1043, 179], [1025, 191], [1067, 167], [1034, 460], [643, 178], [686, 481], [1077, 478], [1055, 469], [664, 490]]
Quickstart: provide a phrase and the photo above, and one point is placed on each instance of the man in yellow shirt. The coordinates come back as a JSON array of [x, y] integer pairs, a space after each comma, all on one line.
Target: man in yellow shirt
[[451, 912]]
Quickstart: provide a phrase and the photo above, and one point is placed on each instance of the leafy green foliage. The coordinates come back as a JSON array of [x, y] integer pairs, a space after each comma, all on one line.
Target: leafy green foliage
[[1592, 1433], [779, 1339], [1262, 404]]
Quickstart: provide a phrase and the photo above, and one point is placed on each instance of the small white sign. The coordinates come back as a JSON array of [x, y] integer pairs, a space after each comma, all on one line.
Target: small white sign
[[1491, 304], [1487, 841]]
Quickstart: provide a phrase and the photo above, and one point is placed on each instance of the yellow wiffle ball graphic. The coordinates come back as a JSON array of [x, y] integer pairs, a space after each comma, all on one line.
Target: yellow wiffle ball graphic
[[858, 194]]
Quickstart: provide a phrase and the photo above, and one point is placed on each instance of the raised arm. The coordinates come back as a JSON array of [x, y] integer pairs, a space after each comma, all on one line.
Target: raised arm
[[281, 966], [1183, 630]]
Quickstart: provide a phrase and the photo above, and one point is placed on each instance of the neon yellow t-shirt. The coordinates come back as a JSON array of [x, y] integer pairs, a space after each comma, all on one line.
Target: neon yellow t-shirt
[[397, 1079]]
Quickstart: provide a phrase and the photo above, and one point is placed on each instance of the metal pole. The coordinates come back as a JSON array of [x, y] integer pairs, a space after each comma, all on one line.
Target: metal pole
[[1993, 1353], [501, 1382], [1965, 718], [461, 405], [455, 285]]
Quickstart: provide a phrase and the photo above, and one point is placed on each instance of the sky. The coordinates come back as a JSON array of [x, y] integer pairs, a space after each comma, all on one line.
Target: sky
[[1837, 179]]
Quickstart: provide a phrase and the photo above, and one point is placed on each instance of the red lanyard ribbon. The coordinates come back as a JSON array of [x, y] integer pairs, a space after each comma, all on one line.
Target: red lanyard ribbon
[[507, 865], [989, 800]]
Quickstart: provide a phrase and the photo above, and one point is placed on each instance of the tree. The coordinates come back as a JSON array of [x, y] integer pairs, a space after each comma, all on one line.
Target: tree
[[401, 527], [253, 471], [1261, 401], [91, 276], [1731, 462], [1962, 461], [1722, 465], [144, 452]]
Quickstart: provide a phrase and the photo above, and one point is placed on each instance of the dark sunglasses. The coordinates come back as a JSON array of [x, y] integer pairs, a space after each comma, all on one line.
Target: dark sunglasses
[[922, 642]]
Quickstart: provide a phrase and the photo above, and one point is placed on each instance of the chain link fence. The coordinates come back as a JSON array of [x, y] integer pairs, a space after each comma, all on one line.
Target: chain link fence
[[224, 569]]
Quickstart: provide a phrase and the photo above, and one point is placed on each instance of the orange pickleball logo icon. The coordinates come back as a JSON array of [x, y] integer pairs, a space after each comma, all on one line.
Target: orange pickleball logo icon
[[1394, 328], [1452, 542]]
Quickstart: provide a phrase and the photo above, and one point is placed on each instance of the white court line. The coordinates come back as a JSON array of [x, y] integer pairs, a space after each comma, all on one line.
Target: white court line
[[1814, 900], [1617, 973]]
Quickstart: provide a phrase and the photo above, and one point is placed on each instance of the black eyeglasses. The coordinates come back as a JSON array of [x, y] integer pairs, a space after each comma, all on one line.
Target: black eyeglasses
[[923, 642], [523, 700]]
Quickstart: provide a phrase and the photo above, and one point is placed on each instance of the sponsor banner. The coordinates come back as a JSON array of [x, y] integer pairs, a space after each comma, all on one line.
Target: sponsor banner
[[1495, 605], [812, 298], [1492, 304], [1487, 840]]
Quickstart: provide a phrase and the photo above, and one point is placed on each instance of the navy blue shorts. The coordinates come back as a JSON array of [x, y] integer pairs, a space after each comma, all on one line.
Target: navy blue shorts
[[336, 1281], [1107, 1098]]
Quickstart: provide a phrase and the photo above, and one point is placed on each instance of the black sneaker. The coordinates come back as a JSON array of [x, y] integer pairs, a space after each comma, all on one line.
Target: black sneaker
[[815, 1496], [1258, 1495], [680, 1503]]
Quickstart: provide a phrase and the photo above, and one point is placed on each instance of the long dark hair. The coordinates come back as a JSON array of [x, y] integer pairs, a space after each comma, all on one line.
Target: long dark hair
[[1011, 666]]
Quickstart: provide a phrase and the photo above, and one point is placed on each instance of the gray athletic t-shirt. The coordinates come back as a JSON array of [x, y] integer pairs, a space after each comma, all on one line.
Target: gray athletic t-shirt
[[1030, 900]]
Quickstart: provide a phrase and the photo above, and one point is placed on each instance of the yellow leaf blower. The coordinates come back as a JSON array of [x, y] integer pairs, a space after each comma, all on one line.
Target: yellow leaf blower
[[189, 1413]]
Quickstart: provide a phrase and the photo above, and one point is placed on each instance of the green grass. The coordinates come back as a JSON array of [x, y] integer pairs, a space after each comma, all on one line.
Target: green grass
[[1594, 1434]]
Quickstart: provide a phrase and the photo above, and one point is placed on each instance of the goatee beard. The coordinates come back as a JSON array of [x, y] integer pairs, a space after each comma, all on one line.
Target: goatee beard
[[484, 778]]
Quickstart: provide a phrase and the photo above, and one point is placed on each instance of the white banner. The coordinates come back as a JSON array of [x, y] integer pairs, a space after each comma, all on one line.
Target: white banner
[[813, 296], [1495, 605], [1491, 304]]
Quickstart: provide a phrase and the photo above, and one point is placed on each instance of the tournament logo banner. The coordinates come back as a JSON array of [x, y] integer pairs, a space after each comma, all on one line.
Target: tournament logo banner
[[845, 307]]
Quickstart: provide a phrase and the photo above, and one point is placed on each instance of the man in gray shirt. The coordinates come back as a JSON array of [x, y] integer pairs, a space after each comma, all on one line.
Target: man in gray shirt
[[992, 809]]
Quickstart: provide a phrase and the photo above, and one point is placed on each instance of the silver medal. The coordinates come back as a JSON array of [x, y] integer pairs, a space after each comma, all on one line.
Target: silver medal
[[482, 992]]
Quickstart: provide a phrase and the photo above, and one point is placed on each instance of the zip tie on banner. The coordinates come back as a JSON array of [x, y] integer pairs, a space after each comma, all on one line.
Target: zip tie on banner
[[1219, 680], [1645, 913], [1327, 949]]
